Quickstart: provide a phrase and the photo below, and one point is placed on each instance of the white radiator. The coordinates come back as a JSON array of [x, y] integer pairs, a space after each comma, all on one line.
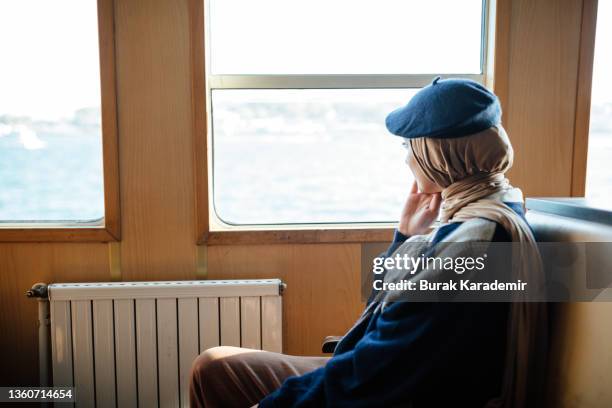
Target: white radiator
[[132, 344]]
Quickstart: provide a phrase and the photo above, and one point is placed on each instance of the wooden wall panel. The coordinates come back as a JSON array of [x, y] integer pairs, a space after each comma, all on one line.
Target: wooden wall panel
[[22, 265], [539, 115], [156, 146], [323, 286], [327, 285]]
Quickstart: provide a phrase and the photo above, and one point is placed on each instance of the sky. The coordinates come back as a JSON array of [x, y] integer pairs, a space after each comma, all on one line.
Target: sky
[[345, 36], [49, 63], [602, 65], [40, 79]]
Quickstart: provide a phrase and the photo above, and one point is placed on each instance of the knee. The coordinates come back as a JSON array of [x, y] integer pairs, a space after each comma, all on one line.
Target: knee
[[205, 367], [207, 361]]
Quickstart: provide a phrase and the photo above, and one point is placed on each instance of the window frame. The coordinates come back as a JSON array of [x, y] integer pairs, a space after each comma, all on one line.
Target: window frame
[[586, 59], [202, 87], [108, 228]]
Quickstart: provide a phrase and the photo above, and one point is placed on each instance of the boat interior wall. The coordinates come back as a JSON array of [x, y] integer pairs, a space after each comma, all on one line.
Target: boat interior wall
[[536, 75]]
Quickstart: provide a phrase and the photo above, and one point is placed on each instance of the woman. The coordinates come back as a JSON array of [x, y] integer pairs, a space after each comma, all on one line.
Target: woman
[[410, 353]]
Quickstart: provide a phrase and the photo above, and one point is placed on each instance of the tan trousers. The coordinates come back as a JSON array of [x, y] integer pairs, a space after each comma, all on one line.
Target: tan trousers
[[239, 377]]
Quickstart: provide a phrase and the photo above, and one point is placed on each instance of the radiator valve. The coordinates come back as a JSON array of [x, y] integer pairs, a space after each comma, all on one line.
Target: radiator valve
[[38, 290]]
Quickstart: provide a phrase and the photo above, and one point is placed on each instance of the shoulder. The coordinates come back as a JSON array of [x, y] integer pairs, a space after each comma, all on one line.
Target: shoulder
[[474, 230], [477, 229]]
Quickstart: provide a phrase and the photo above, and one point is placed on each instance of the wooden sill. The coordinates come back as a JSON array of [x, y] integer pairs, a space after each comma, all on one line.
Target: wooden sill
[[76, 234], [306, 236]]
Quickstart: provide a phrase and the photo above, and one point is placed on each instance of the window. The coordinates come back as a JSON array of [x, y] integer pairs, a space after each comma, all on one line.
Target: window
[[50, 118], [298, 95], [599, 173]]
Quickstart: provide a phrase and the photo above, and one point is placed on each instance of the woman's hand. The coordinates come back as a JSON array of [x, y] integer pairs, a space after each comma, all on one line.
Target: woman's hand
[[419, 212]]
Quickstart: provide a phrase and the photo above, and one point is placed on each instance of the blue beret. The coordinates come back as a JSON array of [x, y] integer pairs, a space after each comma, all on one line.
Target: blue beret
[[446, 109]]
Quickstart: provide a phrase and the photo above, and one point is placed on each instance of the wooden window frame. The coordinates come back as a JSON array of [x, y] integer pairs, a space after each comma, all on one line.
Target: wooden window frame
[[299, 233], [584, 84], [111, 228]]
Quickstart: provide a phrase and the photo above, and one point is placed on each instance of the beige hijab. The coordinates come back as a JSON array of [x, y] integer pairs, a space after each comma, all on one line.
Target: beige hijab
[[471, 172]]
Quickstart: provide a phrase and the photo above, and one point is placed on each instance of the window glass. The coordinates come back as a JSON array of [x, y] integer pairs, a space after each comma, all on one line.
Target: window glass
[[345, 36], [50, 127], [599, 172], [287, 155], [307, 156]]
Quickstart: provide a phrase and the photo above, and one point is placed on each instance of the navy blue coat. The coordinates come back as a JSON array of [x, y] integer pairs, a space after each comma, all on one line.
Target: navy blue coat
[[411, 354]]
